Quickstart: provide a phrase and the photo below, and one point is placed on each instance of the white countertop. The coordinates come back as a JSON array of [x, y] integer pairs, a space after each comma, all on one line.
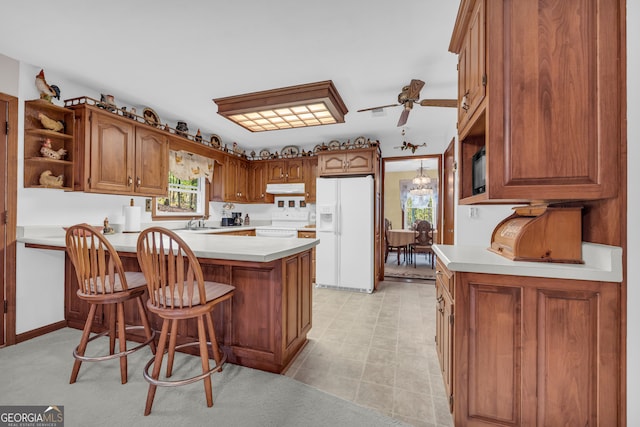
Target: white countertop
[[204, 245], [601, 263]]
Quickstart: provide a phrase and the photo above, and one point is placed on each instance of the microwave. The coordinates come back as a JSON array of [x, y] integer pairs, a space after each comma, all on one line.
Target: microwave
[[479, 171]]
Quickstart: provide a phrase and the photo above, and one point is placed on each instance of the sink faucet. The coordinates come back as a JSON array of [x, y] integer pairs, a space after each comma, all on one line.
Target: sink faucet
[[192, 224]]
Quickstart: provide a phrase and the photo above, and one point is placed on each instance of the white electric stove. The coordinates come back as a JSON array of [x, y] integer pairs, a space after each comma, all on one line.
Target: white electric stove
[[284, 224]]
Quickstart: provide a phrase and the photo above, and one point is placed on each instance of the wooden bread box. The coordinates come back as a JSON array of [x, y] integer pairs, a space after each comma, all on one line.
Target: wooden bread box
[[540, 233]]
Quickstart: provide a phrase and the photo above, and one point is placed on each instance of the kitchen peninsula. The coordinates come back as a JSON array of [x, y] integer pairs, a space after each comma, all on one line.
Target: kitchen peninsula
[[266, 323]]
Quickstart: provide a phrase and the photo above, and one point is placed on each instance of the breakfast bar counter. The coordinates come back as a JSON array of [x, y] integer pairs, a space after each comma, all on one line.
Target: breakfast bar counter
[[264, 326]]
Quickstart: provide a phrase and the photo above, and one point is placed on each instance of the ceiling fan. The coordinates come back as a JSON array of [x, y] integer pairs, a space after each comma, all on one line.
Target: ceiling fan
[[411, 95]]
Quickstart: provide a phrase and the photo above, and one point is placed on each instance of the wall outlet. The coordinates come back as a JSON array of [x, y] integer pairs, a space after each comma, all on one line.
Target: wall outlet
[[147, 205]]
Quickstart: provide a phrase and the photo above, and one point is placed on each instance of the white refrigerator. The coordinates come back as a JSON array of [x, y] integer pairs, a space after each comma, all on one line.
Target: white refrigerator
[[344, 225]]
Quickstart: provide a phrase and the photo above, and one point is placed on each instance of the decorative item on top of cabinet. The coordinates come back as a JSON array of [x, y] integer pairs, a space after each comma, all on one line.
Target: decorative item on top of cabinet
[[551, 127], [46, 149], [46, 91]]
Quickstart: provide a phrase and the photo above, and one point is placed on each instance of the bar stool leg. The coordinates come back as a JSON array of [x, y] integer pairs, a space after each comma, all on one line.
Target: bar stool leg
[[83, 343], [122, 338], [157, 364], [172, 346], [204, 357]]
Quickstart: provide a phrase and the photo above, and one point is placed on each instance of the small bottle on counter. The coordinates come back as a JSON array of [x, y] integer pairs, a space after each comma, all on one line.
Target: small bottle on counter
[[246, 219]]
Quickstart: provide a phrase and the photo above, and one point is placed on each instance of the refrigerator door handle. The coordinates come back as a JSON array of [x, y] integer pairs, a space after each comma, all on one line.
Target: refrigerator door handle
[[338, 214]]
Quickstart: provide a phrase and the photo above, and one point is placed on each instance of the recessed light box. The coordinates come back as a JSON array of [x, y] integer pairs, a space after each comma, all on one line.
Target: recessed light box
[[312, 104]]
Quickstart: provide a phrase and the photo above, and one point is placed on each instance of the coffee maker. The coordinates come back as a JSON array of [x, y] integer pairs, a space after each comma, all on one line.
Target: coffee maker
[[236, 218]]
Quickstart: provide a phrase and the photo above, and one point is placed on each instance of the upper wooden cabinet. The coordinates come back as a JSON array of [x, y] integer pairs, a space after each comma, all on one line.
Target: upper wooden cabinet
[[310, 172], [471, 66], [236, 180], [541, 89], [284, 170], [35, 134], [347, 162], [258, 183], [118, 156]]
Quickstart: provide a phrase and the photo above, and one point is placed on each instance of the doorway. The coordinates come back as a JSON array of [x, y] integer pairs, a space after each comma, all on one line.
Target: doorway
[[412, 188], [8, 210]]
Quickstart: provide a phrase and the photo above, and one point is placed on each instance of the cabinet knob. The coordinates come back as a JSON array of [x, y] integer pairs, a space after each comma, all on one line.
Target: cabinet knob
[[130, 180], [138, 181]]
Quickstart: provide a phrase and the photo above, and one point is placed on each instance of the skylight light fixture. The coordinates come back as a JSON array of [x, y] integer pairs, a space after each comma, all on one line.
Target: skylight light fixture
[[312, 104]]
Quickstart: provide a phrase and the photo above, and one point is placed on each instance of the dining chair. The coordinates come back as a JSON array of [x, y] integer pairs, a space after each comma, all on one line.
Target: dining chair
[[178, 292], [423, 243], [102, 282], [388, 246]]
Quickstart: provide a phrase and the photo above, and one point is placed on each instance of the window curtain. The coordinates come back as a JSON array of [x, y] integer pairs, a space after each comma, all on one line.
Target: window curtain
[[187, 166]]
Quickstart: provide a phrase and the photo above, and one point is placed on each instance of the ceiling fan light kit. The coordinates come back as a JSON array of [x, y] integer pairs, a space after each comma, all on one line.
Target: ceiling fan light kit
[[312, 104], [410, 95]]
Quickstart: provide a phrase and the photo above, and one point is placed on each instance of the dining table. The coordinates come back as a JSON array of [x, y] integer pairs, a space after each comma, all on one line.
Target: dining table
[[401, 237]]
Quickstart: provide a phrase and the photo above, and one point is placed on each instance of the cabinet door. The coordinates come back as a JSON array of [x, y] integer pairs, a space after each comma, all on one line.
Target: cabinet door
[[231, 179], [475, 77], [331, 164], [258, 183], [310, 174], [360, 162], [294, 170], [112, 155], [562, 100], [152, 163], [275, 172], [242, 181], [536, 351]]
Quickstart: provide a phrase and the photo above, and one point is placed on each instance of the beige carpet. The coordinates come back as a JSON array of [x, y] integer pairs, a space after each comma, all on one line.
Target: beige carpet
[[422, 270], [36, 372]]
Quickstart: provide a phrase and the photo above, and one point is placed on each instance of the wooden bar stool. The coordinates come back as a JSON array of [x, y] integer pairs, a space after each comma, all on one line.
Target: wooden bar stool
[[177, 292], [102, 281]]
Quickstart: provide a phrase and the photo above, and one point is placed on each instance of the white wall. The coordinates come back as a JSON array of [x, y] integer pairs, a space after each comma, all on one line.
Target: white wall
[[9, 75], [633, 226]]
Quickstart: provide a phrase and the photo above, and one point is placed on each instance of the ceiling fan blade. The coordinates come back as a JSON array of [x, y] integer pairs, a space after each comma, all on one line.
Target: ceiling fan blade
[[403, 117], [439, 102], [378, 108], [414, 89]]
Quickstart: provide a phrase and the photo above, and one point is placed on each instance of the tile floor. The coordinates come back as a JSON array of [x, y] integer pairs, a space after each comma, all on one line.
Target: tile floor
[[378, 350]]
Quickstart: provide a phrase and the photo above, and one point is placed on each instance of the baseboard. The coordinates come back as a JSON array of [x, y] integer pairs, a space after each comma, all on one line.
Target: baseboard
[[40, 331]]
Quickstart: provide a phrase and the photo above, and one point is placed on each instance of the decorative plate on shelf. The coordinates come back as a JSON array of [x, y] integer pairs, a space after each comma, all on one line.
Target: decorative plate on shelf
[[151, 117], [359, 142], [216, 141], [317, 148], [334, 145], [290, 151], [265, 154]]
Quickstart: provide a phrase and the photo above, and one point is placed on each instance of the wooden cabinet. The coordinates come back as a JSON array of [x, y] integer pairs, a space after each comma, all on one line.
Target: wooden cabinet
[[35, 134], [303, 234], [347, 162], [251, 232], [310, 173], [529, 350], [284, 170], [258, 183], [549, 115], [119, 156], [444, 327], [236, 178], [471, 66]]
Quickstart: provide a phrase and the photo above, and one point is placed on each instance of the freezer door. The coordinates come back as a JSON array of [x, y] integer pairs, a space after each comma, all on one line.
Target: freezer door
[[355, 233]]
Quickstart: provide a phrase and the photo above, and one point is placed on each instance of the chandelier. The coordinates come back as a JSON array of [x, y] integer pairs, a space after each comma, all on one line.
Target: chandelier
[[421, 182]]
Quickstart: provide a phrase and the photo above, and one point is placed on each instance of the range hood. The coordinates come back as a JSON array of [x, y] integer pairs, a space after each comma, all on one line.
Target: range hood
[[294, 188]]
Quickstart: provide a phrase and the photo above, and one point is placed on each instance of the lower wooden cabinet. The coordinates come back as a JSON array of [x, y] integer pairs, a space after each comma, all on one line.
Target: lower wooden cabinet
[[310, 235], [264, 326], [531, 351]]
